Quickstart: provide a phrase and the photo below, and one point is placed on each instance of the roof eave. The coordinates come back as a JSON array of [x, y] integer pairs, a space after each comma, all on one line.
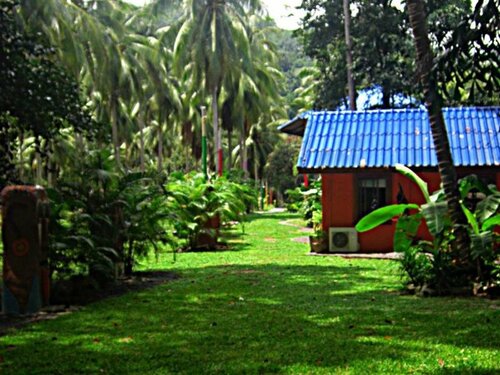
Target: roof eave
[[296, 126]]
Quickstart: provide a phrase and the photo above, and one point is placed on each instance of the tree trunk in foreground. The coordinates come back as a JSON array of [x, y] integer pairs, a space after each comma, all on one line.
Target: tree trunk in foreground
[[416, 12]]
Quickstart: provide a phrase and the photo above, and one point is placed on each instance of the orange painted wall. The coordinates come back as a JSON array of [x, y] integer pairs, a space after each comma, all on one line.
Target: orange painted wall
[[339, 197]]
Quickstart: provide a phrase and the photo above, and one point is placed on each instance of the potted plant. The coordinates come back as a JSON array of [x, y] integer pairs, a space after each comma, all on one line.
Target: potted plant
[[318, 241]]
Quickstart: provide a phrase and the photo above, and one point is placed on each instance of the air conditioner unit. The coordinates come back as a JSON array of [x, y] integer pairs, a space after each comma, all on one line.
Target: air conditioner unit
[[343, 240]]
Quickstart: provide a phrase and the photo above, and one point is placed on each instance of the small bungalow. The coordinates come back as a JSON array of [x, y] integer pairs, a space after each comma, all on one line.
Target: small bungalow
[[356, 151]]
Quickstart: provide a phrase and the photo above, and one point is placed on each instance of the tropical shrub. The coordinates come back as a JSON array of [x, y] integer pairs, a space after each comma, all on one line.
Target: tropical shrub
[[294, 199], [83, 233], [311, 203], [433, 265], [101, 219], [146, 218], [280, 169], [200, 207]]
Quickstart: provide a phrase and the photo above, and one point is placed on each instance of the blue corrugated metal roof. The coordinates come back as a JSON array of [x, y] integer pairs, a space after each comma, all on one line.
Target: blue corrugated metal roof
[[383, 138]]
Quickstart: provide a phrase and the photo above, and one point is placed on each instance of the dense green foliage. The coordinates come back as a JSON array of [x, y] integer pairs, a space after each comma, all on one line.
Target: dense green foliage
[[265, 307], [37, 98], [292, 60], [280, 168], [436, 266], [202, 208], [145, 73], [104, 223], [464, 80], [101, 219], [307, 201], [101, 101], [384, 57], [382, 49]]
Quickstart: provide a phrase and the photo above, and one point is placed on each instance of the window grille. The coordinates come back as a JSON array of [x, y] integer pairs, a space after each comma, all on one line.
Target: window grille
[[372, 195]]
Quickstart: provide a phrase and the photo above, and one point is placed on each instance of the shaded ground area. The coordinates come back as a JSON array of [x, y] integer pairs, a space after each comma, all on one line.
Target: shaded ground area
[[64, 304]]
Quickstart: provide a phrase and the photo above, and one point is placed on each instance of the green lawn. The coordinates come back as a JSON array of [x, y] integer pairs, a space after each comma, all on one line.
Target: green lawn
[[265, 307]]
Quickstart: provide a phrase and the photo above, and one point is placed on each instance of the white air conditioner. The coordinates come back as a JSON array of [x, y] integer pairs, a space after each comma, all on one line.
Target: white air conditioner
[[343, 240]]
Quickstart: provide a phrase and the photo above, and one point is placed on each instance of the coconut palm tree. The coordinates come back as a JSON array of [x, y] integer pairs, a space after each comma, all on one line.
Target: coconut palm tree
[[213, 37], [88, 47], [433, 100], [254, 95], [305, 94]]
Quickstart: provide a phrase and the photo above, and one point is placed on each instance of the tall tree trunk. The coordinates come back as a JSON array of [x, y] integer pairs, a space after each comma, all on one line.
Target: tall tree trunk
[[244, 151], [126, 152], [79, 140], [348, 42], [230, 148], [141, 144], [114, 130], [196, 146], [386, 99], [187, 141], [80, 146], [416, 12], [160, 146], [255, 166]]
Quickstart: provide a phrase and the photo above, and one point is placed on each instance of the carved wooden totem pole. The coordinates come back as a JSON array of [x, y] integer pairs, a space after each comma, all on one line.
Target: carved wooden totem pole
[[25, 213]]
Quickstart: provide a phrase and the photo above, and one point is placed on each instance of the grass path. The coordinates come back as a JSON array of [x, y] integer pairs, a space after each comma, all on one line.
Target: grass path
[[265, 307]]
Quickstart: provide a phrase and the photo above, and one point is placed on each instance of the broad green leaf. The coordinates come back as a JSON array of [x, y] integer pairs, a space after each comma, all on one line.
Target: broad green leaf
[[437, 196], [406, 230], [488, 207], [435, 215], [471, 219], [491, 222], [405, 171], [381, 215], [482, 245]]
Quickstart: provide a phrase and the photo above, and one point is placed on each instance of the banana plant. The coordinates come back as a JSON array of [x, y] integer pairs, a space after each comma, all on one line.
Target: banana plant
[[482, 220], [433, 212]]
